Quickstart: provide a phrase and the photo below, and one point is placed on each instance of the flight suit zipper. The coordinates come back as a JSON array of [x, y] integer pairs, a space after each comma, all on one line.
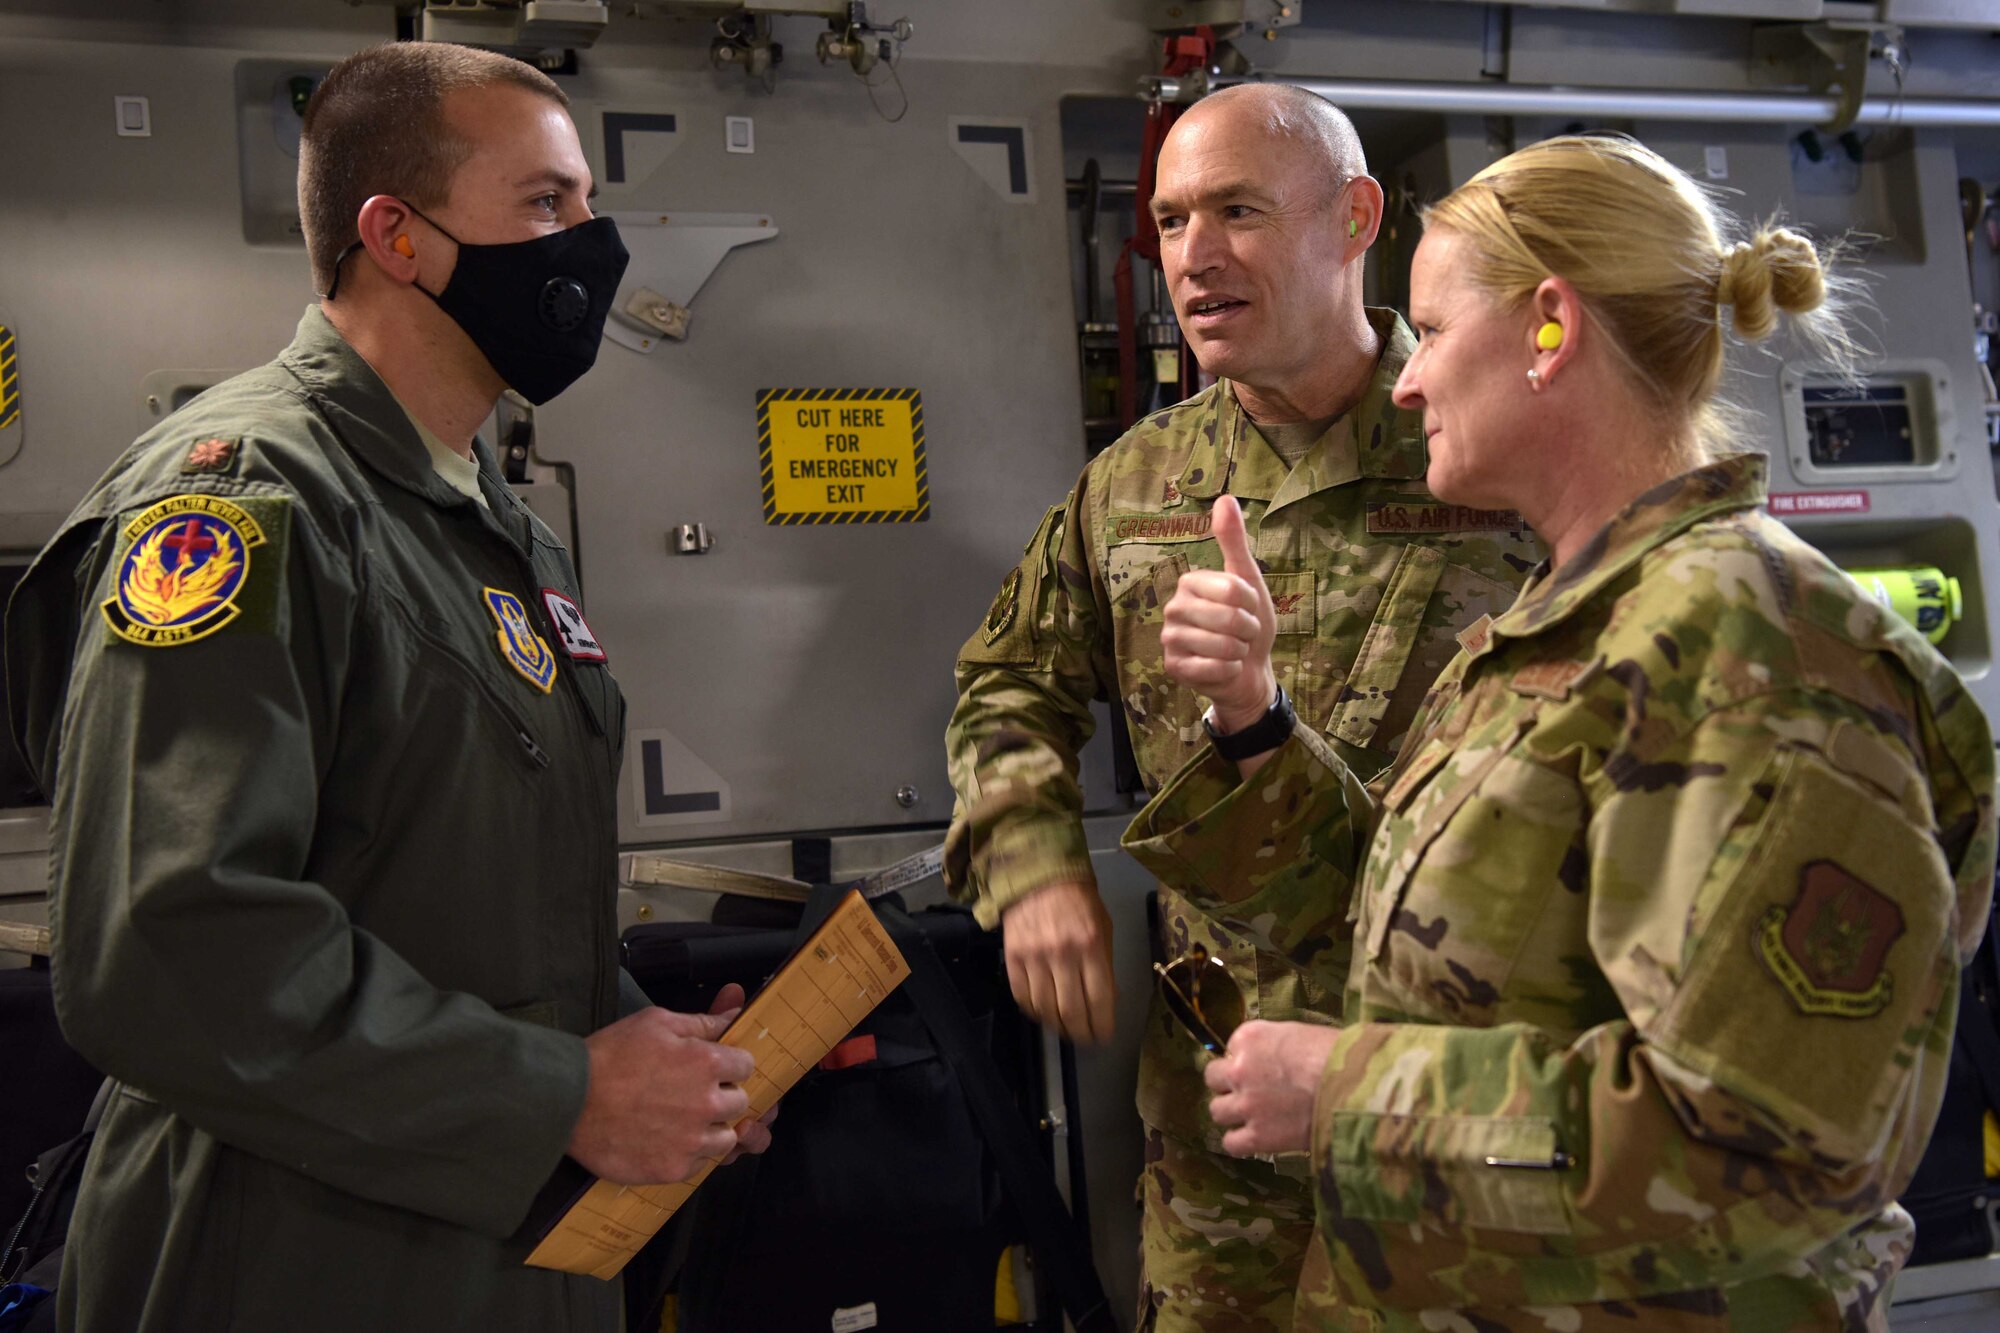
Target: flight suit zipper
[[591, 743], [509, 717]]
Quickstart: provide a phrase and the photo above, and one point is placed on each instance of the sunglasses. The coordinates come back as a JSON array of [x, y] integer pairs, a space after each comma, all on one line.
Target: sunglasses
[[1202, 997]]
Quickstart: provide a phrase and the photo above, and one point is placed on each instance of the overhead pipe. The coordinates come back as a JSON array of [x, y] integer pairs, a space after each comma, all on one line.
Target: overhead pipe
[[1503, 99]]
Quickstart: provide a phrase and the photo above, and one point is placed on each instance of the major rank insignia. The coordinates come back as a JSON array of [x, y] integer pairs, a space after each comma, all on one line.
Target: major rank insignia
[[186, 559], [526, 651], [209, 456]]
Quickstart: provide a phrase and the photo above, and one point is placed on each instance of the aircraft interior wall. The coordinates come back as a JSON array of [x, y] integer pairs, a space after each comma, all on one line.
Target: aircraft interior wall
[[794, 681]]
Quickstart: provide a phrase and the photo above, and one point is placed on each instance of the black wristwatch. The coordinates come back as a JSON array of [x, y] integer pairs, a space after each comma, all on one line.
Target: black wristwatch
[[1266, 733]]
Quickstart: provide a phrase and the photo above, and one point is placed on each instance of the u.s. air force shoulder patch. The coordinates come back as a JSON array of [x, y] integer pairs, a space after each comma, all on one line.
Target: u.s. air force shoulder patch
[[1828, 947], [526, 651], [185, 568]]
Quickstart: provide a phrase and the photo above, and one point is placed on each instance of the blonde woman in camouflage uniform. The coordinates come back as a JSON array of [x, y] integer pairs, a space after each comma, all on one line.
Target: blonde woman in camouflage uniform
[[1661, 909]]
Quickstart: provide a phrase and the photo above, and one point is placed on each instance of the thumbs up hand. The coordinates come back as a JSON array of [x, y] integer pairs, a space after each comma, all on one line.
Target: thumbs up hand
[[1219, 627]]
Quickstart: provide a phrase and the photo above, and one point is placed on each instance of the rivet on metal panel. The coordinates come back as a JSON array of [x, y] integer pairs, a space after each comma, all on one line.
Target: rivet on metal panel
[[906, 796], [645, 912]]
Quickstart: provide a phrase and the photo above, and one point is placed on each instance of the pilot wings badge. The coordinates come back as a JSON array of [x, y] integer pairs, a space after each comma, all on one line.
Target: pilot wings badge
[[185, 561]]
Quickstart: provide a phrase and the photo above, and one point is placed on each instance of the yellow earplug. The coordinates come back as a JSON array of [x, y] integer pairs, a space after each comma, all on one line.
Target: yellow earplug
[[1353, 227], [1549, 336], [402, 246]]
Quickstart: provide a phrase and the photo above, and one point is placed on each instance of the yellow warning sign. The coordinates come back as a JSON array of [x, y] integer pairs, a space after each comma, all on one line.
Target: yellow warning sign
[[842, 456]]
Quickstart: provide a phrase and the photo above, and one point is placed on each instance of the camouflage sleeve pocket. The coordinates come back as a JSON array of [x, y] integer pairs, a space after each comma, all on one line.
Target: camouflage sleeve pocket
[[1490, 1172], [1825, 954], [1007, 636]]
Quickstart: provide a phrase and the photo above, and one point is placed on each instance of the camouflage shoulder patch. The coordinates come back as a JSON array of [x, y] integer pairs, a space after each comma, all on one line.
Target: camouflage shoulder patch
[[184, 567], [1436, 517], [212, 455], [1007, 636], [1184, 527], [524, 650], [1827, 947], [1006, 605]]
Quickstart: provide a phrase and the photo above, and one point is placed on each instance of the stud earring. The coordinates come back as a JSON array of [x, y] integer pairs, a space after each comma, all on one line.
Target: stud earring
[[1534, 379]]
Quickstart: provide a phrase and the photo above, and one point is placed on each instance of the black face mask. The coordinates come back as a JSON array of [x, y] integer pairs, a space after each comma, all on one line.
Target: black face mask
[[536, 308]]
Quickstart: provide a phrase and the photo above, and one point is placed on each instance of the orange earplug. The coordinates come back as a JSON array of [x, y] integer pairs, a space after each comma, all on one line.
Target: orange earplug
[[403, 247]]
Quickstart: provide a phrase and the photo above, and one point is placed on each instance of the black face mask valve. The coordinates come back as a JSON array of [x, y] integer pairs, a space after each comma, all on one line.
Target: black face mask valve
[[565, 304]]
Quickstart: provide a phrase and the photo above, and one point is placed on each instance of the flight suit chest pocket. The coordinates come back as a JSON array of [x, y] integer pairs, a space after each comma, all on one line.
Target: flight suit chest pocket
[[1164, 717]]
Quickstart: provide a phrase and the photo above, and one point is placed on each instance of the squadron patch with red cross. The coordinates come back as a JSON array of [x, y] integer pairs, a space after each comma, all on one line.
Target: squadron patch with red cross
[[185, 562], [1829, 947]]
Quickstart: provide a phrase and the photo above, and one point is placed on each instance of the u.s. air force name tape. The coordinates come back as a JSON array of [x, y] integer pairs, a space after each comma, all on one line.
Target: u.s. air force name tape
[[649, 870]]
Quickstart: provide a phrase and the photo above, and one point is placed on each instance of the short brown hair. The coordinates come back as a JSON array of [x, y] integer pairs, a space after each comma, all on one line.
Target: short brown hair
[[376, 126]]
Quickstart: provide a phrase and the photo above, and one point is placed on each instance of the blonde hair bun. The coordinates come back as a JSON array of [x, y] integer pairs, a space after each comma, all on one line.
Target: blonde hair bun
[[1777, 269]]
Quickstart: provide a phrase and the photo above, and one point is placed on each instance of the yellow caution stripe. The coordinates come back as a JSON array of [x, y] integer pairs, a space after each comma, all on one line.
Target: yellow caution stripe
[[10, 380]]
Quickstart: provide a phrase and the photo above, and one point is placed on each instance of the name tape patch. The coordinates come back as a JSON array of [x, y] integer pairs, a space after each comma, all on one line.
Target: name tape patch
[[1440, 518], [1160, 527], [572, 631]]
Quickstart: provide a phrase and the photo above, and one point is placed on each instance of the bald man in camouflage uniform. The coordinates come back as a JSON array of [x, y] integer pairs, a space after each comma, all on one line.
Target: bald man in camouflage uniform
[[1266, 214], [1661, 919]]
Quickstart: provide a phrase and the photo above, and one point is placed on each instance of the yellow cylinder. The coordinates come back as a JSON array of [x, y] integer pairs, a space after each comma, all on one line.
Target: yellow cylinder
[[1924, 595]]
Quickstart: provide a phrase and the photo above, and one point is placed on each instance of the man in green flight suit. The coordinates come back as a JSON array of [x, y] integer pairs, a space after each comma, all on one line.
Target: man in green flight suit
[[332, 753], [1266, 213]]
